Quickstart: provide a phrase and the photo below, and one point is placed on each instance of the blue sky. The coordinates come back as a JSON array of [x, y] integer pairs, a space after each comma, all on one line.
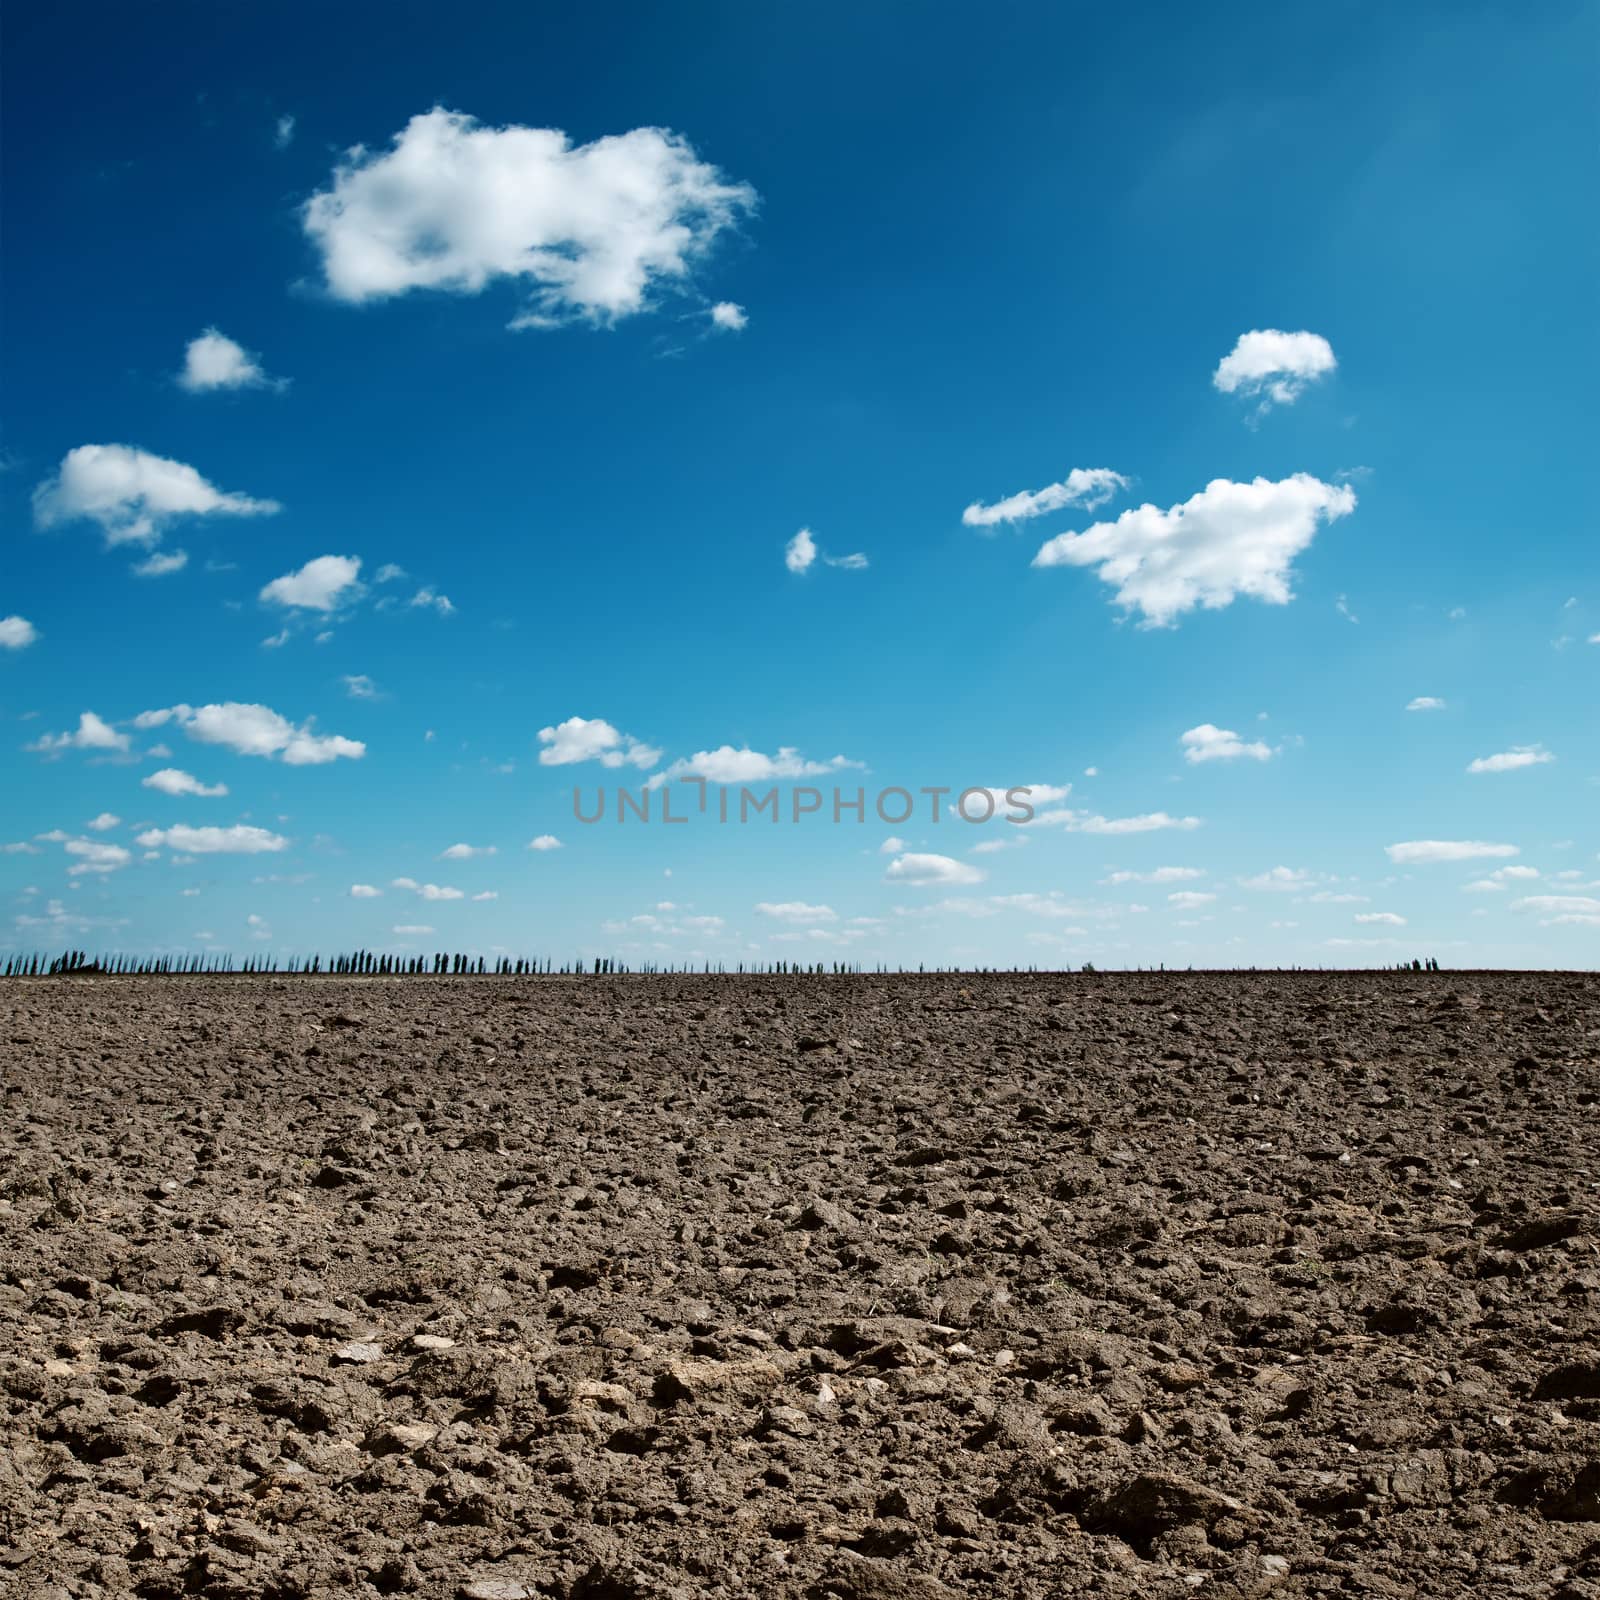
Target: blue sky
[[1172, 398]]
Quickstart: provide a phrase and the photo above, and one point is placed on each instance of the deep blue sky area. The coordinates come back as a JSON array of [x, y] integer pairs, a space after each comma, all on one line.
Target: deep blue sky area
[[1322, 277]]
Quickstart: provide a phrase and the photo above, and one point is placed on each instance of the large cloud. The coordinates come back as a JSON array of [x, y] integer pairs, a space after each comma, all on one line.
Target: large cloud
[[240, 839], [1275, 365], [1417, 851], [1231, 539], [255, 730], [590, 229], [1083, 486], [132, 494]]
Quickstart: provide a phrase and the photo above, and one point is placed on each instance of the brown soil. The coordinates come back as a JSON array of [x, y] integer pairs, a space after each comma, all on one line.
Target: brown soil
[[872, 1288]]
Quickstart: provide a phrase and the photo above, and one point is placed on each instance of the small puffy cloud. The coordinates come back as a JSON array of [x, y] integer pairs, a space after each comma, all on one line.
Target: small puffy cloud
[[429, 891], [389, 573], [796, 912], [545, 841], [323, 584], [1230, 539], [725, 764], [92, 733], [1384, 919], [1527, 755], [931, 869], [1275, 365], [1088, 487], [255, 730], [593, 739], [93, 855], [800, 552], [1414, 852], [241, 840], [466, 852], [161, 564], [1279, 879], [1211, 743], [359, 686], [214, 361], [591, 230], [174, 781], [105, 822], [1425, 702], [430, 599], [730, 318], [365, 891], [1158, 875], [892, 846], [1189, 899], [132, 495], [16, 633]]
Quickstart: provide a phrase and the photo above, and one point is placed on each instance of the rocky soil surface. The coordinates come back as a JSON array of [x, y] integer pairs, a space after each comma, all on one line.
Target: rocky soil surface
[[864, 1288]]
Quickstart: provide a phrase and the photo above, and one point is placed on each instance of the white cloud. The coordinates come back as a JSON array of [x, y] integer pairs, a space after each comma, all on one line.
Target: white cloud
[[174, 781], [1329, 897], [323, 584], [162, 564], [1211, 743], [208, 841], [255, 730], [1231, 539], [92, 733], [854, 562], [429, 891], [1385, 919], [1159, 875], [800, 551], [466, 852], [487, 894], [1527, 755], [283, 132], [105, 822], [359, 686], [728, 765], [365, 891], [1088, 487], [892, 846], [1417, 851], [132, 495], [1280, 879], [214, 361], [389, 573], [796, 911], [92, 855], [1569, 909], [593, 739], [1594, 638], [430, 598], [1087, 822], [1189, 899], [931, 869], [1425, 702], [454, 206], [545, 841], [729, 317], [16, 633], [1276, 365], [411, 928], [1521, 872]]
